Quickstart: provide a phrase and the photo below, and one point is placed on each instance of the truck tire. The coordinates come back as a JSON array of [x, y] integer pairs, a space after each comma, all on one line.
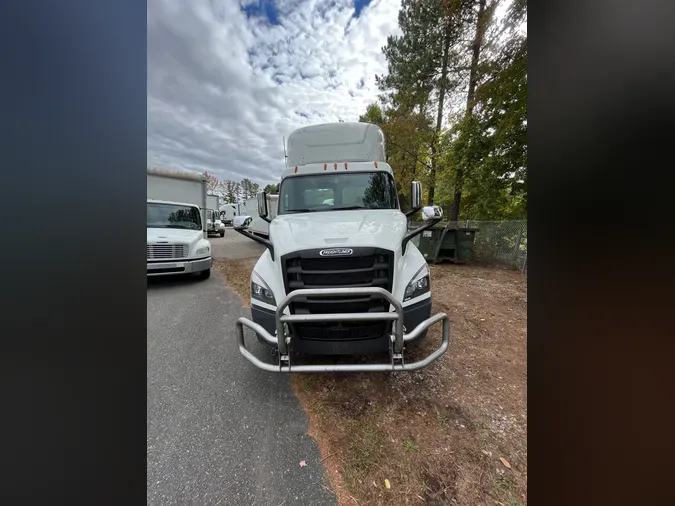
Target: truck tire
[[222, 233], [205, 274]]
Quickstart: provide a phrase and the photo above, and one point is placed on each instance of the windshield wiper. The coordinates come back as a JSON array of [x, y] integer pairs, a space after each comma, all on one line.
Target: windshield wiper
[[300, 210], [348, 208]]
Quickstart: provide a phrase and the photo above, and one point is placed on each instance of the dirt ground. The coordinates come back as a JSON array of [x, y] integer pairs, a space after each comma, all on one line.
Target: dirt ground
[[453, 433]]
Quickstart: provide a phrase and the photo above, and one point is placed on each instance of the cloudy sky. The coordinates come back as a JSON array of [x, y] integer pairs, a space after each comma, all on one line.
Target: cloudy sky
[[228, 78]]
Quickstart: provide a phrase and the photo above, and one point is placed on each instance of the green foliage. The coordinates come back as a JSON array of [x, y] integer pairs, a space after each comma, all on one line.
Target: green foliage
[[425, 64], [415, 58], [249, 188], [373, 115], [408, 136], [272, 189], [492, 144], [482, 157], [231, 190]]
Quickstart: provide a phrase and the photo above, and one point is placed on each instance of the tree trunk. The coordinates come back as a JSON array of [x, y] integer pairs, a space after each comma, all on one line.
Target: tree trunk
[[470, 101], [439, 116], [414, 165]]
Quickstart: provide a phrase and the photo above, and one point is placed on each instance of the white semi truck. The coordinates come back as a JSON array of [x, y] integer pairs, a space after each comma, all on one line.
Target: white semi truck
[[248, 210], [176, 223], [259, 226], [227, 213], [340, 275]]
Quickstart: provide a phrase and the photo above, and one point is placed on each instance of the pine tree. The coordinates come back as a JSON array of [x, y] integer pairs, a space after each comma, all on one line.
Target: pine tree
[[230, 189], [489, 145], [424, 64]]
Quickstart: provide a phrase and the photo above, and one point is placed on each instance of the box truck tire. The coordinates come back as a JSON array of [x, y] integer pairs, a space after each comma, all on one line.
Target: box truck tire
[[205, 274]]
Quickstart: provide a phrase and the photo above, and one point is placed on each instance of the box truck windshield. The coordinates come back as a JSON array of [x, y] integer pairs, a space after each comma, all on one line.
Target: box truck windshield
[[173, 216], [338, 192]]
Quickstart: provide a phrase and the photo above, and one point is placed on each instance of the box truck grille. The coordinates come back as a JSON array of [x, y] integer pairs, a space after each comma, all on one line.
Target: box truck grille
[[167, 251], [365, 267]]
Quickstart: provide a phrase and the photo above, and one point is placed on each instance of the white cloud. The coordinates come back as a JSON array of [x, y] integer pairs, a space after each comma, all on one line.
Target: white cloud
[[223, 88]]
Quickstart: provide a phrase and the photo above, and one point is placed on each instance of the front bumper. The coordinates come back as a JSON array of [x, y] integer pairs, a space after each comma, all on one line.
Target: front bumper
[[274, 333], [413, 315], [178, 267]]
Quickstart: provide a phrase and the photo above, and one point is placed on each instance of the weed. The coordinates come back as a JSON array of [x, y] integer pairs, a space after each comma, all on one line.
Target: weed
[[503, 490], [410, 446]]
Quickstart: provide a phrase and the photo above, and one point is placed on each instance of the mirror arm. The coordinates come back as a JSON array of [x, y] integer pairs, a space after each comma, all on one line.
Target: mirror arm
[[408, 214], [257, 239], [266, 219], [417, 231]]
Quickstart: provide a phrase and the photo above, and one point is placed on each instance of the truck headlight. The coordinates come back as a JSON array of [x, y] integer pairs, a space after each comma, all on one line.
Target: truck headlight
[[419, 284], [260, 290], [202, 251]]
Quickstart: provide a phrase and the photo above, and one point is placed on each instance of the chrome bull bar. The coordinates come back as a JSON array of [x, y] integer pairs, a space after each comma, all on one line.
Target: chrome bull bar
[[282, 341]]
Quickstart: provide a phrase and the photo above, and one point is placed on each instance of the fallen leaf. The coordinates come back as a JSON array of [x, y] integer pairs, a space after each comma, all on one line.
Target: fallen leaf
[[505, 462], [387, 484], [304, 464]]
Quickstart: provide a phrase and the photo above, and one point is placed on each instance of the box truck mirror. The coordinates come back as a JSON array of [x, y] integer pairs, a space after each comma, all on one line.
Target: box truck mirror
[[242, 222], [415, 198], [262, 206], [431, 213]]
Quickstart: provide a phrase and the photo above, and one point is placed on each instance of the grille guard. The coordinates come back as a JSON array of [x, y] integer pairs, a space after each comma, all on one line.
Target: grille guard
[[282, 341]]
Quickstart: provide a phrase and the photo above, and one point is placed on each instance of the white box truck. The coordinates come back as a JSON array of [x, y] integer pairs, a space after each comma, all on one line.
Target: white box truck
[[214, 225], [176, 233], [340, 275]]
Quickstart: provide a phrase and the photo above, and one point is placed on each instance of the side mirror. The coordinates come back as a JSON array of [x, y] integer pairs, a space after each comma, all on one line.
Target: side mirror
[[431, 213], [415, 195], [241, 222], [262, 204]]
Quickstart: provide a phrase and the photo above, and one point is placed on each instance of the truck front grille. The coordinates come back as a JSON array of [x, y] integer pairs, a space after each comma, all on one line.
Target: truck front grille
[[365, 267], [167, 251]]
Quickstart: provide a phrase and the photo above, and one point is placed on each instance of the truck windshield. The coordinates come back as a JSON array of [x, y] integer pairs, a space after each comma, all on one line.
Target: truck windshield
[[173, 216], [334, 192]]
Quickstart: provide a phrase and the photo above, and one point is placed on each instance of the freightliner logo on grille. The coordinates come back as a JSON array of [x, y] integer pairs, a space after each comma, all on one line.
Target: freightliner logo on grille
[[335, 252]]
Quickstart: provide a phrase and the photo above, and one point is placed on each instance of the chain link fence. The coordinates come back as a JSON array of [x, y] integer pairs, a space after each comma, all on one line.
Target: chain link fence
[[502, 242], [496, 242]]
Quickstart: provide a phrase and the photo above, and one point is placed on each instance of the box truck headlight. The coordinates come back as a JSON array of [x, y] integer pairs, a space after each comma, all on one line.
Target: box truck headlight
[[419, 284], [260, 290], [202, 251]]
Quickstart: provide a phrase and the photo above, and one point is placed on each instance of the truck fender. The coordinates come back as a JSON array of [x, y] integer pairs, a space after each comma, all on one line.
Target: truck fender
[[407, 266], [267, 271]]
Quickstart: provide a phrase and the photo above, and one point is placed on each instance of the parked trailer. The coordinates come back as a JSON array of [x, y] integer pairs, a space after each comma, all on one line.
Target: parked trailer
[[176, 224], [340, 274]]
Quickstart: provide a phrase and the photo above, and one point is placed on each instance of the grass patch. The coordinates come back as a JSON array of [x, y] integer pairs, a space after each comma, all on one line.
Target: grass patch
[[365, 450], [237, 274]]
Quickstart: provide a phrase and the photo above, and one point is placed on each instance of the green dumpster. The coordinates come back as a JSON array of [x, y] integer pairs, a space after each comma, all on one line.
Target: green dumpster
[[447, 242]]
